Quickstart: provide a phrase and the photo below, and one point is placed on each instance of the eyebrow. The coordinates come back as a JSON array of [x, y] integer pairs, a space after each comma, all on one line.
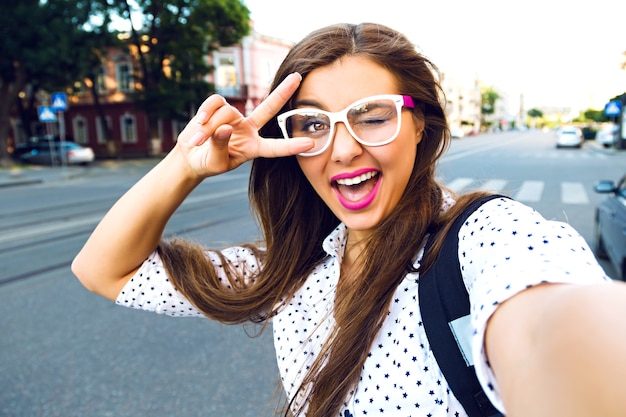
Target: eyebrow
[[307, 103]]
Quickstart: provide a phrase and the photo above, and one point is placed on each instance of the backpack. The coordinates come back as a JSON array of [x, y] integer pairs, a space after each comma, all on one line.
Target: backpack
[[445, 308]]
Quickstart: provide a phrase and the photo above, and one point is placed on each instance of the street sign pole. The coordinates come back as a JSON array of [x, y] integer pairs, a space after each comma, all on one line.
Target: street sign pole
[[59, 104], [616, 109], [47, 116]]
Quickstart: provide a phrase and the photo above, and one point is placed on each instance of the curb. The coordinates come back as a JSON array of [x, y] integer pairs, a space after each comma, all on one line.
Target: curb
[[15, 183]]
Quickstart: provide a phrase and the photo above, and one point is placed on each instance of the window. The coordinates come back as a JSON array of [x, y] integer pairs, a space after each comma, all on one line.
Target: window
[[226, 80], [124, 77], [79, 125], [100, 129], [128, 125], [101, 84]]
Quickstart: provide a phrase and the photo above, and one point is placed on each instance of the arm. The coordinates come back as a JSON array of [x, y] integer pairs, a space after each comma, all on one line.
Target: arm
[[559, 349], [217, 140]]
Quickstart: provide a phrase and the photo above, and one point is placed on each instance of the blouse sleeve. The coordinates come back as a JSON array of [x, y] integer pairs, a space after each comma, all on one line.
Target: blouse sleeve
[[506, 247], [150, 289]]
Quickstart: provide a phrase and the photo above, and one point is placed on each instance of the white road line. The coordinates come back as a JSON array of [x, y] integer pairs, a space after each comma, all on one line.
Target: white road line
[[530, 191], [573, 193], [494, 185], [459, 183]]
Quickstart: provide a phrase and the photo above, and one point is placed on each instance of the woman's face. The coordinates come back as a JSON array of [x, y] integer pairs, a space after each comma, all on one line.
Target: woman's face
[[360, 184]]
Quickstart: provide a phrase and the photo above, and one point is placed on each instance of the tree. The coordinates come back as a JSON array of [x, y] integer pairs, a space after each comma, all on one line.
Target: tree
[[534, 114], [49, 45], [595, 115], [172, 45], [488, 97], [41, 48]]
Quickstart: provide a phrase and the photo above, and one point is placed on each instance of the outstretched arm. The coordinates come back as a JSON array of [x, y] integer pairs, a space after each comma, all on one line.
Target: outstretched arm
[[218, 139], [560, 350]]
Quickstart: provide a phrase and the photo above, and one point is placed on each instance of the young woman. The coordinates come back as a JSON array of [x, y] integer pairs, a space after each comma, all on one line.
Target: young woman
[[343, 182]]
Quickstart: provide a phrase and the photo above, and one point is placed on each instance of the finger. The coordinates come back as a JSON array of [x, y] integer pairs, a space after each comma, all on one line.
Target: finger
[[221, 137], [275, 100], [273, 148], [225, 114], [192, 133]]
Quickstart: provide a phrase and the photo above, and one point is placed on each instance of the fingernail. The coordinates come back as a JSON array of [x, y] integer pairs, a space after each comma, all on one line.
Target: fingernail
[[201, 117], [196, 138]]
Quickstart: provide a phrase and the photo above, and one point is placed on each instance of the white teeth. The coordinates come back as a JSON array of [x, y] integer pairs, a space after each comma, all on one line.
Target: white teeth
[[357, 180]]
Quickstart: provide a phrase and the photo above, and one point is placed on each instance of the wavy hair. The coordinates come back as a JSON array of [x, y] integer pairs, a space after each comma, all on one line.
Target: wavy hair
[[294, 221]]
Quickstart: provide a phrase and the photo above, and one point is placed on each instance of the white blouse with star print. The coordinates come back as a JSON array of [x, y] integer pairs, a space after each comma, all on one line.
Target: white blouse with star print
[[504, 248]]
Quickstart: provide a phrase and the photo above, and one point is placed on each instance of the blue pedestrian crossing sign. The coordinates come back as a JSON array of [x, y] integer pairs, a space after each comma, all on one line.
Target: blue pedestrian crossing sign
[[613, 108], [59, 101], [46, 114]]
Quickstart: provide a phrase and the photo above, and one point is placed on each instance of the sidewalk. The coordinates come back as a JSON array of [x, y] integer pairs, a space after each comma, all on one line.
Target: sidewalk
[[34, 174]]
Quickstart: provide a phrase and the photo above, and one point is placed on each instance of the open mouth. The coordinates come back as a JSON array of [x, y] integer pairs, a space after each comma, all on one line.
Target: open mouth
[[357, 192]]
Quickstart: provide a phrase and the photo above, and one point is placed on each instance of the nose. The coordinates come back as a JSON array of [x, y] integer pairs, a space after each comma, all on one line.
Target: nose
[[345, 147]]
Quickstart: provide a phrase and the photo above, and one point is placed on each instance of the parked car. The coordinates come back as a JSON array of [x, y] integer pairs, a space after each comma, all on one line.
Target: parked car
[[610, 225], [52, 153], [588, 132], [457, 133], [607, 135], [569, 137]]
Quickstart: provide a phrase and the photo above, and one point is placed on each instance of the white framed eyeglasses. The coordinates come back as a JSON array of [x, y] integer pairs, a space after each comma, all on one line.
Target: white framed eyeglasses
[[372, 121]]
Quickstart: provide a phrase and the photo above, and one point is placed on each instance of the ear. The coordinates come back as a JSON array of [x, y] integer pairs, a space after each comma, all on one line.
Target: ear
[[419, 130]]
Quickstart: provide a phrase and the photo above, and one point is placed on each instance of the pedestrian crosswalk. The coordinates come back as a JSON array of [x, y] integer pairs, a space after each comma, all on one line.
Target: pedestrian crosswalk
[[529, 191], [562, 154]]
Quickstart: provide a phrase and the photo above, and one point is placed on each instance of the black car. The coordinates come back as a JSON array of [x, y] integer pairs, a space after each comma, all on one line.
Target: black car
[[610, 224]]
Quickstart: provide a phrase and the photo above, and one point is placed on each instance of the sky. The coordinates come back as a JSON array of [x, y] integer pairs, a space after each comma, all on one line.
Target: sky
[[544, 53]]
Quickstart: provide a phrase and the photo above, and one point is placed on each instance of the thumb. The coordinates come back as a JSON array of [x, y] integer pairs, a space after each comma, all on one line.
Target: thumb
[[221, 137]]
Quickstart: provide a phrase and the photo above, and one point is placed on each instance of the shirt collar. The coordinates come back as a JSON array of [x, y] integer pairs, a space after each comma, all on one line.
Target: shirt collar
[[335, 242]]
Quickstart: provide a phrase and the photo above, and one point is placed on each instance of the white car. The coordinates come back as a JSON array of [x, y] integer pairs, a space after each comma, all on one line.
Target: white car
[[607, 134], [457, 133], [569, 137]]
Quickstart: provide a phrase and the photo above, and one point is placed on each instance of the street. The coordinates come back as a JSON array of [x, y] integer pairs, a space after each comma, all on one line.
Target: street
[[66, 352]]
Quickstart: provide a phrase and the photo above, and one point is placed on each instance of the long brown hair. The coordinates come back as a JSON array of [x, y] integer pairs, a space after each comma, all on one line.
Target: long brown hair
[[294, 221]]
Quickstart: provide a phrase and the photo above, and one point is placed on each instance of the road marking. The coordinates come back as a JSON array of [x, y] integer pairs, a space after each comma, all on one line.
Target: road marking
[[494, 185], [530, 191], [459, 183], [573, 193]]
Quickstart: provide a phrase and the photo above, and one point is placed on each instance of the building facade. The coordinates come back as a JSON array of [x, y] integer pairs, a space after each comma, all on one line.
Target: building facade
[[103, 116]]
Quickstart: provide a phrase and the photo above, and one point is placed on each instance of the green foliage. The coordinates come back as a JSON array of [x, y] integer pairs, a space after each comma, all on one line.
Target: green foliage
[[488, 100], [595, 115], [51, 44], [39, 41], [43, 47], [534, 113], [174, 41]]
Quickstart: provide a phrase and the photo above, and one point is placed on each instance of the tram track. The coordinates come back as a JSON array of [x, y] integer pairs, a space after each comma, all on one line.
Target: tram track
[[21, 238]]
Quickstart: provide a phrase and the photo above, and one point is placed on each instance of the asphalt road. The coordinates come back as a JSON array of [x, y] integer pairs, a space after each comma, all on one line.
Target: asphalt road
[[66, 352]]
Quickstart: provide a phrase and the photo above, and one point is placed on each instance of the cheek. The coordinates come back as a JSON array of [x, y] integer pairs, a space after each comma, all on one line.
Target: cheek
[[313, 168]]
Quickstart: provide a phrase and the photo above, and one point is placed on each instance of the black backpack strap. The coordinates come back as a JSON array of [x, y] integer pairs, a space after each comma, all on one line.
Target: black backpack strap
[[445, 308]]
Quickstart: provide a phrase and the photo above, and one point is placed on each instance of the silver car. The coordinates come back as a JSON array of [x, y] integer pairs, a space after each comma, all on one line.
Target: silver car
[[610, 224], [54, 153], [607, 134]]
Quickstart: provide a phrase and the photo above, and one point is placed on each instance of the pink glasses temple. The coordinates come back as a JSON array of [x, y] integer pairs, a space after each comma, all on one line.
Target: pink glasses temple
[[408, 102]]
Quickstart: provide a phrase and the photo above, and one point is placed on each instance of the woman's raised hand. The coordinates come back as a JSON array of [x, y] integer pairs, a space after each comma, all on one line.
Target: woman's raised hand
[[219, 138]]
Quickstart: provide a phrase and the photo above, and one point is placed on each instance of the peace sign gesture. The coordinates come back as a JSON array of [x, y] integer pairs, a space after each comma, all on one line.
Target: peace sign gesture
[[219, 138]]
